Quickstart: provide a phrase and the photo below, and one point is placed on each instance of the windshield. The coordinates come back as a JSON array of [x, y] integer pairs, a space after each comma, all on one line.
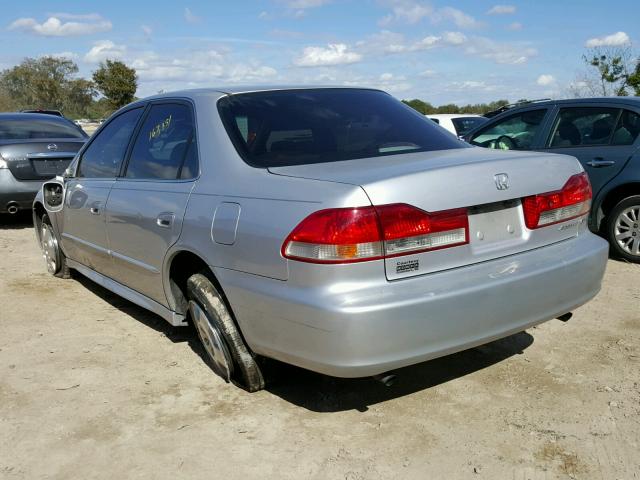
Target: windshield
[[297, 127], [30, 128], [465, 124]]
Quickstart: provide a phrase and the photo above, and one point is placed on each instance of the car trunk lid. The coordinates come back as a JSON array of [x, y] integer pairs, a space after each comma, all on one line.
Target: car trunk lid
[[489, 184], [39, 160]]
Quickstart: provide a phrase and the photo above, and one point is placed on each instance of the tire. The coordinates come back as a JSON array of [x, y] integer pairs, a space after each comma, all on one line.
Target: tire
[[224, 348], [51, 252], [623, 229]]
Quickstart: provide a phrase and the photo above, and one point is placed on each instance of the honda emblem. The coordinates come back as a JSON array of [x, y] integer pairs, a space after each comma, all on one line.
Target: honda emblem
[[502, 181]]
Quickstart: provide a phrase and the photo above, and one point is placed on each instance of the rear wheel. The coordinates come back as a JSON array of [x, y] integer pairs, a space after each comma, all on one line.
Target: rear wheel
[[224, 348], [623, 229], [54, 259]]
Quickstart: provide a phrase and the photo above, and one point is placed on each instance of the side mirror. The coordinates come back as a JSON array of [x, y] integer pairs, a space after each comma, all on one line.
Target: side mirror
[[53, 195]]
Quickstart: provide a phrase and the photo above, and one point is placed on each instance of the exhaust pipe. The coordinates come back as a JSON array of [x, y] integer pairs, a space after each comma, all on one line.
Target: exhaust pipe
[[387, 379], [565, 317], [12, 208]]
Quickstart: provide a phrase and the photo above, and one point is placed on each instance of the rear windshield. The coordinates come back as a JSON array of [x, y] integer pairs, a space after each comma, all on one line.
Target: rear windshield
[[21, 129], [297, 127]]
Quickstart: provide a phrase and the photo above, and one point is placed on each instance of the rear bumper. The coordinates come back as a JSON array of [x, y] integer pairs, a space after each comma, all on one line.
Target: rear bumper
[[20, 191], [387, 325]]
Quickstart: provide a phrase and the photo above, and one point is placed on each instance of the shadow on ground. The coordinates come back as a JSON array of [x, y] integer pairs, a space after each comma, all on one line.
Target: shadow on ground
[[22, 219], [320, 393]]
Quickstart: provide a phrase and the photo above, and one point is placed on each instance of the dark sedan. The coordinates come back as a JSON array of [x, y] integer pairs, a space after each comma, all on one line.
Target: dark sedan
[[604, 135], [34, 147]]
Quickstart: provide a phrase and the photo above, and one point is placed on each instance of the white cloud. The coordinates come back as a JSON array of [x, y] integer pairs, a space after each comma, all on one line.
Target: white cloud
[[55, 27], [104, 49], [427, 73], [458, 17], [514, 26], [190, 17], [406, 11], [545, 80], [302, 4], [614, 40], [333, 54], [454, 38], [502, 10], [504, 53], [76, 16]]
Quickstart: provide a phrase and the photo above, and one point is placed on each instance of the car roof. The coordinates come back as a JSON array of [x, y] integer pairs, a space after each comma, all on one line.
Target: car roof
[[452, 115], [236, 89], [31, 116], [620, 100]]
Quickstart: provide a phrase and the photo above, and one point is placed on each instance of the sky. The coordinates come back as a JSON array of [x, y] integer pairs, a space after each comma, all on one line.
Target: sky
[[441, 52]]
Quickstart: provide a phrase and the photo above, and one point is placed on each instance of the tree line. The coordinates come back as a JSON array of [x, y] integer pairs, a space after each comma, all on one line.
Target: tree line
[[51, 83]]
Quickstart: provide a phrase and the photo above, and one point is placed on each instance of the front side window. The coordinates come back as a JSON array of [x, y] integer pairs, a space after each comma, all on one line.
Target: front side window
[[297, 127], [104, 156], [583, 126], [165, 147], [464, 125], [516, 132], [627, 129]]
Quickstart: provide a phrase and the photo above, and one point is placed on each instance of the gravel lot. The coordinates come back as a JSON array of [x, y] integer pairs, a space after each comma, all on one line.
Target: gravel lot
[[92, 386]]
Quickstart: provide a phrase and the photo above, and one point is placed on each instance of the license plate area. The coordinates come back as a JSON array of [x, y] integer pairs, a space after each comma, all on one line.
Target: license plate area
[[50, 166], [496, 225]]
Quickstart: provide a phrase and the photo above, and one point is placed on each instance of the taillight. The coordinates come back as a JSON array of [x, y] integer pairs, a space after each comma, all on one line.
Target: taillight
[[572, 201], [343, 235]]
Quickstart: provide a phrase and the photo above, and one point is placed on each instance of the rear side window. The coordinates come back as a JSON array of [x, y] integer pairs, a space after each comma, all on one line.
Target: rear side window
[[627, 129], [296, 127], [29, 128], [583, 126], [465, 124], [165, 146], [515, 132], [104, 156]]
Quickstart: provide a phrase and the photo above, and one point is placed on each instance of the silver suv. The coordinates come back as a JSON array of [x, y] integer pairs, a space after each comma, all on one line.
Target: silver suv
[[335, 229]]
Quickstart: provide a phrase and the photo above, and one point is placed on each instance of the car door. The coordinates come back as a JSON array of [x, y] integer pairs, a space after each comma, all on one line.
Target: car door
[[83, 233], [147, 202], [521, 130], [595, 134]]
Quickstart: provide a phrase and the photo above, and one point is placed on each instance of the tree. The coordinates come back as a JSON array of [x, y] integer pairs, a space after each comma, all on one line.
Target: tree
[[117, 82], [611, 72], [47, 83], [420, 106]]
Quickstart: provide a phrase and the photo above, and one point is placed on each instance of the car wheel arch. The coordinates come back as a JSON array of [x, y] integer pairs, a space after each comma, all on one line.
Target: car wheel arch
[[612, 197]]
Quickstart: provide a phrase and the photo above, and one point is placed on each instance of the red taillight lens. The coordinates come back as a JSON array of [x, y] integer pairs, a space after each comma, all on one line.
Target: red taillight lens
[[336, 235], [345, 235], [574, 200], [410, 230]]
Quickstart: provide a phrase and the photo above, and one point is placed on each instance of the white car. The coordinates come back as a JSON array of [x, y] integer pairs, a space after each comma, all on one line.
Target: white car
[[458, 123]]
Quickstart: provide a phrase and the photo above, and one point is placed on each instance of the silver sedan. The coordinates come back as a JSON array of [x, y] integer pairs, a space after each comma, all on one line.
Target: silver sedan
[[331, 228]]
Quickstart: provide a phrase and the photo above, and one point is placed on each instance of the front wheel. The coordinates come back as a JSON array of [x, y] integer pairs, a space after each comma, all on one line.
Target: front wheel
[[54, 259], [623, 229], [224, 347]]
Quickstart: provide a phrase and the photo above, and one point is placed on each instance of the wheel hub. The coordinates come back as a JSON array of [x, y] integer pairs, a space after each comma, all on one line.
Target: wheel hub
[[627, 230], [212, 341], [49, 248]]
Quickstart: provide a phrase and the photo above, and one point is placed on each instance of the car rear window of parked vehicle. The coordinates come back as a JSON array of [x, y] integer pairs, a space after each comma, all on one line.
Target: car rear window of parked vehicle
[[627, 129], [297, 127], [104, 156], [16, 129], [594, 126], [165, 146]]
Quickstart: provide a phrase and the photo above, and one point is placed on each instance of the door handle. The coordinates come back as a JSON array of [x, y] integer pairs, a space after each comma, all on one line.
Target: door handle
[[165, 220], [600, 162]]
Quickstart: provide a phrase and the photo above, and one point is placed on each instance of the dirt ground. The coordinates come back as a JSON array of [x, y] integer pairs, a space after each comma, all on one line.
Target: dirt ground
[[92, 386]]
